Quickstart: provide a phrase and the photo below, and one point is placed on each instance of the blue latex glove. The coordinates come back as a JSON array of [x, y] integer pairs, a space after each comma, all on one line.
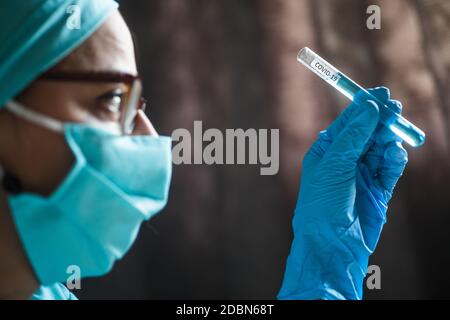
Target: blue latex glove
[[347, 180]]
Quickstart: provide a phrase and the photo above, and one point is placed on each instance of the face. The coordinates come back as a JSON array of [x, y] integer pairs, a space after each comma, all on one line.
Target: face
[[40, 158]]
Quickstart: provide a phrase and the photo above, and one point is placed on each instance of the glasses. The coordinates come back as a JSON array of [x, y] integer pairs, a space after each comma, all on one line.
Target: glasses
[[130, 102]]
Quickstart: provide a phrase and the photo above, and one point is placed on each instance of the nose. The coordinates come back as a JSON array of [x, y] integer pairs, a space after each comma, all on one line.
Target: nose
[[143, 126]]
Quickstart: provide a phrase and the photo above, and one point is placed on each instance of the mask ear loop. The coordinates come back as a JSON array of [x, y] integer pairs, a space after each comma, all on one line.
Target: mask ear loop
[[34, 117]]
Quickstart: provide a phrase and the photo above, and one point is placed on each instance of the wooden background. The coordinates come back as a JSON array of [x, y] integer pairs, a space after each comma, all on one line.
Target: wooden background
[[232, 64]]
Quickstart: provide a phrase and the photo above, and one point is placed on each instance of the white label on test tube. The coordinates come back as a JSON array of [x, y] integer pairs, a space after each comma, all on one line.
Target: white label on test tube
[[399, 125], [324, 71]]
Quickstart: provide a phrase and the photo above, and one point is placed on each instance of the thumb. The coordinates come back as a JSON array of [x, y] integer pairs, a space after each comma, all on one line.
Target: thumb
[[395, 159], [351, 141]]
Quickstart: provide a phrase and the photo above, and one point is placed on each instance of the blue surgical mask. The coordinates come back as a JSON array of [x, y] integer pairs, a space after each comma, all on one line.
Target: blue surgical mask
[[93, 217]]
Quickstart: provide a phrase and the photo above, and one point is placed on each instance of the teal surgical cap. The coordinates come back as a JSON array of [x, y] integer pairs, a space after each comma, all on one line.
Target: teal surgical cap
[[36, 34]]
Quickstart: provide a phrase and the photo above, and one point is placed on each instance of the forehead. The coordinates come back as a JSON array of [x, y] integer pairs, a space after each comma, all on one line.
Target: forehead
[[110, 48]]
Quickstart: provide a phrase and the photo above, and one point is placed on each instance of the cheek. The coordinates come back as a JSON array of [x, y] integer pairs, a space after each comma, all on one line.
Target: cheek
[[45, 160]]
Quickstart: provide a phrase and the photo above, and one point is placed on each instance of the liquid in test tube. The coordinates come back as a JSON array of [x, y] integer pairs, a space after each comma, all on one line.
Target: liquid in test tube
[[394, 121]]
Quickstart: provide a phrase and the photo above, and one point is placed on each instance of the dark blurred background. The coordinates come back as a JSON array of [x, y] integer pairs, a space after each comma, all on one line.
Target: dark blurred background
[[232, 64]]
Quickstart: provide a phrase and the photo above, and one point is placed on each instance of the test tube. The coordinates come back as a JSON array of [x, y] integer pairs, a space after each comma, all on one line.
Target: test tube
[[394, 121]]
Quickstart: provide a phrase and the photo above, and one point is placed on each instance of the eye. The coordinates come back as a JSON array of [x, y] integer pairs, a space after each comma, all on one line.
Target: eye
[[109, 105]]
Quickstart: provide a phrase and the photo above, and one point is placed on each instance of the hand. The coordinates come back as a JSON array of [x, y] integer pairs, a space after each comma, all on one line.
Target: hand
[[348, 177]]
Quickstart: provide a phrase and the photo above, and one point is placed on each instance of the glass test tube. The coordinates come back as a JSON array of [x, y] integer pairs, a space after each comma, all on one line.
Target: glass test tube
[[394, 121]]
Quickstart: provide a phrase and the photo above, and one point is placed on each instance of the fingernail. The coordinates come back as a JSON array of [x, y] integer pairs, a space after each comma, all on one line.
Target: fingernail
[[396, 153]]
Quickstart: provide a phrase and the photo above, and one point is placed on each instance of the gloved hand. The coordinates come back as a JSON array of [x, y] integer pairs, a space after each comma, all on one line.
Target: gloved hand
[[347, 180]]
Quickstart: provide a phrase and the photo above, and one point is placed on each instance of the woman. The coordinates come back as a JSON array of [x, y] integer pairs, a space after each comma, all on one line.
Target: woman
[[83, 167]]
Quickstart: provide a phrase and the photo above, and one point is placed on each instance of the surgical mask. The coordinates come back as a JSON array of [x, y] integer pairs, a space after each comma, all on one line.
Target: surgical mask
[[93, 217]]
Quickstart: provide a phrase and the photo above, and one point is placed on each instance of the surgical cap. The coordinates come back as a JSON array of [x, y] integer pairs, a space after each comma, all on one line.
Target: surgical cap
[[36, 34]]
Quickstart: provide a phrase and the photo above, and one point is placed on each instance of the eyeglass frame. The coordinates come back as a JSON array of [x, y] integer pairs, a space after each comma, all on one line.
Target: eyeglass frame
[[134, 99]]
